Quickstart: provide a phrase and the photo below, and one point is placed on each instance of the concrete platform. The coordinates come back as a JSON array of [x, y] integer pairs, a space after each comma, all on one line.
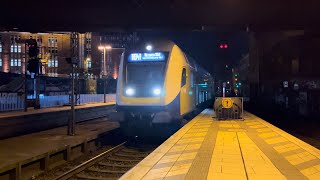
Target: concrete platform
[[19, 123], [25, 156], [240, 149], [32, 111]]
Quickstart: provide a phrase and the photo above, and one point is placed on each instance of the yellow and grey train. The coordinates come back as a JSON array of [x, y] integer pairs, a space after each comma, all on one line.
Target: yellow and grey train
[[159, 83]]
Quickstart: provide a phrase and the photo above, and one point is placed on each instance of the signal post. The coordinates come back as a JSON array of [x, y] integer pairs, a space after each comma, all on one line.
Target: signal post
[[72, 119]]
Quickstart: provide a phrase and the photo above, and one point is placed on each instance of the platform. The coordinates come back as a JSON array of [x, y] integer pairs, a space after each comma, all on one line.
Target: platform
[[239, 149], [32, 111], [34, 120], [44, 150]]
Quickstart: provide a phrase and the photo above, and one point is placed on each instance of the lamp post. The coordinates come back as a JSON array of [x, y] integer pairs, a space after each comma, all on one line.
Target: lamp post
[[104, 48]]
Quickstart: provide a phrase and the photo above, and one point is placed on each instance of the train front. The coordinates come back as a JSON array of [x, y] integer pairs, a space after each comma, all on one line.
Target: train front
[[140, 93]]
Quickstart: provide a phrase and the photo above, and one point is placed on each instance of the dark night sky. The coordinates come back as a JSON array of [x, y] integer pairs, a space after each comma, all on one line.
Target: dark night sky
[[204, 47]]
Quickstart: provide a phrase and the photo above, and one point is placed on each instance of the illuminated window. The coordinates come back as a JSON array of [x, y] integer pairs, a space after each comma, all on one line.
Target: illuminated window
[[49, 62], [0, 62], [19, 48], [53, 61], [0, 48], [15, 48], [56, 61], [89, 64], [15, 62]]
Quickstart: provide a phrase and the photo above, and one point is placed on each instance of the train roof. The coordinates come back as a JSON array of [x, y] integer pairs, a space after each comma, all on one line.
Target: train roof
[[167, 45], [157, 45]]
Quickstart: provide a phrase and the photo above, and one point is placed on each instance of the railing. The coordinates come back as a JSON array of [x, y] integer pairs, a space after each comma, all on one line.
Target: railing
[[94, 98], [52, 101], [11, 103]]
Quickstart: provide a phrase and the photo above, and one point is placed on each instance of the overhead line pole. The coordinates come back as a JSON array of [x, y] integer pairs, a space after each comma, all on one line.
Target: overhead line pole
[[25, 78]]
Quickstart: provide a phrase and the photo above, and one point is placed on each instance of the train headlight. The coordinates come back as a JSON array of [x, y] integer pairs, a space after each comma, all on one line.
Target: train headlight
[[130, 91], [156, 91]]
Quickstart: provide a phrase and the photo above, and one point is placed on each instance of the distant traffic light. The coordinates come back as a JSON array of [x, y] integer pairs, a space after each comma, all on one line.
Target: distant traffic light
[[33, 49]]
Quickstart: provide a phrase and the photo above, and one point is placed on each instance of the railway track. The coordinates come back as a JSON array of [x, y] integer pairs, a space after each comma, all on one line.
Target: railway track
[[111, 164]]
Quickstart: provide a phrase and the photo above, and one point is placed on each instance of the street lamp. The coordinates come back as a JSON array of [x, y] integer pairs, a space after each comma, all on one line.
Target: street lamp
[[104, 48]]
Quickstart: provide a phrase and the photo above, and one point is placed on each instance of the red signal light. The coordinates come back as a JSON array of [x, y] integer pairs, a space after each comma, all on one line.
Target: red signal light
[[223, 46]]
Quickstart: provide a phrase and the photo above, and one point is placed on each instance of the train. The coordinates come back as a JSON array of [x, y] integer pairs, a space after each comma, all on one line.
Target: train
[[159, 83]]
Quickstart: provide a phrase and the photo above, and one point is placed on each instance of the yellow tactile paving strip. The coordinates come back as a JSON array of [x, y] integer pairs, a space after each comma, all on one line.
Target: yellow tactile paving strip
[[249, 149]]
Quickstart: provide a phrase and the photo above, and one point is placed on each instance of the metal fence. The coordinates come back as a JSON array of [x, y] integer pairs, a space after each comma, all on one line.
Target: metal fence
[[52, 101], [94, 98], [11, 103]]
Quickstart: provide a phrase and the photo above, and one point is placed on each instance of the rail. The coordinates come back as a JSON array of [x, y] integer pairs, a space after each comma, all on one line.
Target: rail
[[87, 163]]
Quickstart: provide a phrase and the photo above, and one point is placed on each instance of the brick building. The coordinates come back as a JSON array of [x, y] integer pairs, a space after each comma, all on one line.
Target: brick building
[[56, 46]]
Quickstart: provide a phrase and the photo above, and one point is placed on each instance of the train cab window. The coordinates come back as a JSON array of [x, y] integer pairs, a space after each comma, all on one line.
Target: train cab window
[[184, 77]]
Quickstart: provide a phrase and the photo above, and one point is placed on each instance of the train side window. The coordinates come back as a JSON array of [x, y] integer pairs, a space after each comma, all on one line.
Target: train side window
[[184, 77], [191, 79]]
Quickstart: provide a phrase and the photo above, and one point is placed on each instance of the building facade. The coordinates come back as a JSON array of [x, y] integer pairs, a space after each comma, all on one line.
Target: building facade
[[118, 41], [52, 46], [55, 47]]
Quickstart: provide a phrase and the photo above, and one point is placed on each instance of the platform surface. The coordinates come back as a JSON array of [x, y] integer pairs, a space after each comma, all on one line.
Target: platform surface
[[22, 148], [50, 109], [240, 149]]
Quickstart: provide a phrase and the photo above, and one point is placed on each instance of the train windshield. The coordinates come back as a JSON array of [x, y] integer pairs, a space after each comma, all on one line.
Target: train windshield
[[146, 74]]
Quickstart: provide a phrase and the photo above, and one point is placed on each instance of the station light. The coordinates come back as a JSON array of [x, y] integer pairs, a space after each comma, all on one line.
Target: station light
[[149, 47], [104, 47]]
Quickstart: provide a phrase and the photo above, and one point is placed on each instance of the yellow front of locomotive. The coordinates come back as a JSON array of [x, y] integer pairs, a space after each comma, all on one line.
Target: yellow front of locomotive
[[140, 88]]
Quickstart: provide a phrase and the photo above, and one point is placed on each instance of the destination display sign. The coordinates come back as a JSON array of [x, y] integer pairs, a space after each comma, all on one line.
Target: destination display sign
[[147, 57]]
